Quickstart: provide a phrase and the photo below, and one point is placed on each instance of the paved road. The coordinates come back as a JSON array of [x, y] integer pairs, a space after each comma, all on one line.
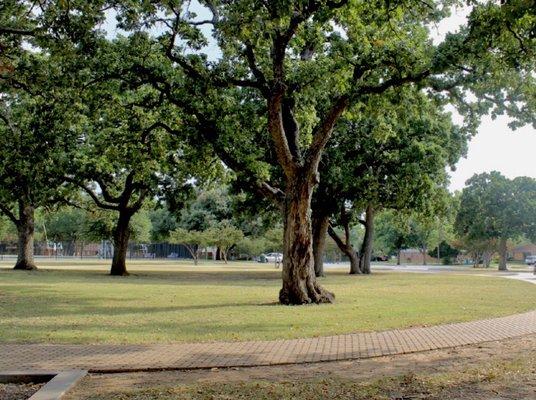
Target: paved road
[[524, 275]]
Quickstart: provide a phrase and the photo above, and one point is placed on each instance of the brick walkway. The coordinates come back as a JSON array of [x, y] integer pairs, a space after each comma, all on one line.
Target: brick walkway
[[108, 358]]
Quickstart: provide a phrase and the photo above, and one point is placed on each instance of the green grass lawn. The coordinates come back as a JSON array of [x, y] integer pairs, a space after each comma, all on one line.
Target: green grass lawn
[[76, 302]]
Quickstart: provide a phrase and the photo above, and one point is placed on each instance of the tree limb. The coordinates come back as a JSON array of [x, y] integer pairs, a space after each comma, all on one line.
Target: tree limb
[[8, 213]]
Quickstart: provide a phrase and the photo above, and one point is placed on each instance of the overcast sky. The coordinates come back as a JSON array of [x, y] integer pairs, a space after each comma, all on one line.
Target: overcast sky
[[496, 146]]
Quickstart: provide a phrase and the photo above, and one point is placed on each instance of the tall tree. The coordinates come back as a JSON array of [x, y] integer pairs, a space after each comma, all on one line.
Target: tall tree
[[392, 154], [130, 146], [38, 104], [35, 117], [299, 65], [495, 207]]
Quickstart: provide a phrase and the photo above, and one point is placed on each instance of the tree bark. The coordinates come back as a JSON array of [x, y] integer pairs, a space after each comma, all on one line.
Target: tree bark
[[299, 280], [25, 231], [120, 237], [486, 258], [424, 251], [398, 256], [320, 230], [366, 247], [502, 255], [348, 250]]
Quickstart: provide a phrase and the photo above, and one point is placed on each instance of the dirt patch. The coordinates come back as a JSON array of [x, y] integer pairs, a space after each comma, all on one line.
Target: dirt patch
[[18, 391], [494, 370]]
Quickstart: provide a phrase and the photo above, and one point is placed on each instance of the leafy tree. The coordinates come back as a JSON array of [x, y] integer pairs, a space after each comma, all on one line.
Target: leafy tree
[[274, 239], [224, 237], [394, 231], [480, 250], [38, 105], [8, 231], [295, 67], [209, 209], [126, 154], [99, 224], [426, 233], [445, 252], [192, 240], [65, 224], [162, 222], [290, 69], [493, 207], [391, 155], [35, 117], [251, 246]]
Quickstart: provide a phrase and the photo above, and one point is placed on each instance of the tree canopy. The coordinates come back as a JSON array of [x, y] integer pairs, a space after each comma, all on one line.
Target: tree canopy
[[493, 207]]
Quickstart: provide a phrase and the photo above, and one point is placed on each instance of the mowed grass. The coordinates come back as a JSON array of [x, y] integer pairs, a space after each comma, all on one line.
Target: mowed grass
[[77, 302]]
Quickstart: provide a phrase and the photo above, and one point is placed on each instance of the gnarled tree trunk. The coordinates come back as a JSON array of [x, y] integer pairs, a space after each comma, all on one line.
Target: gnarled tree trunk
[[299, 280], [25, 231], [502, 255], [120, 237], [320, 230], [366, 247]]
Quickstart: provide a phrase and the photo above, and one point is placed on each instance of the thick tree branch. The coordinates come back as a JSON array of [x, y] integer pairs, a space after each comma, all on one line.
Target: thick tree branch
[[337, 239], [277, 132], [8, 213], [108, 197], [93, 195], [276, 195], [322, 133], [8, 30]]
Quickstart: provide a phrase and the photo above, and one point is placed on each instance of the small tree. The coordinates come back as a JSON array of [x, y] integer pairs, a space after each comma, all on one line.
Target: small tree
[[251, 246], [192, 240], [225, 237]]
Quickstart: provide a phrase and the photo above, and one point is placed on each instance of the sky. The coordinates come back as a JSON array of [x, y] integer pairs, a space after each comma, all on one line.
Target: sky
[[495, 147]]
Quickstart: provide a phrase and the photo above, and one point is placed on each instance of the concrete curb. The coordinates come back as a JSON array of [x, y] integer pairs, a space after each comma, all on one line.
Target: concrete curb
[[58, 383]]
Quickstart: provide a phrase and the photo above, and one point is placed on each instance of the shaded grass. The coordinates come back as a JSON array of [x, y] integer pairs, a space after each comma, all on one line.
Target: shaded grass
[[174, 302]]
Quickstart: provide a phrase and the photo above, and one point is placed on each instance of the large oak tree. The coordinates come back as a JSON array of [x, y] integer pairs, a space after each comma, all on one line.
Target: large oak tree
[[299, 65]]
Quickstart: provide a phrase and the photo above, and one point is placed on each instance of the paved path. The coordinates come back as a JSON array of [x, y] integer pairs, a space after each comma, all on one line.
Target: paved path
[[108, 358], [521, 276]]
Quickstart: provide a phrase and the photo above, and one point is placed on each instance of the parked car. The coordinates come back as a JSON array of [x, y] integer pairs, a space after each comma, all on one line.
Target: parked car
[[271, 258], [530, 260]]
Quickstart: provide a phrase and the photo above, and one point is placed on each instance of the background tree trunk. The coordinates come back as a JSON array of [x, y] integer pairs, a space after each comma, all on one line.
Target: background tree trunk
[[348, 250], [502, 255], [398, 256], [120, 237], [366, 247], [299, 280], [424, 251], [25, 231], [486, 258], [320, 230]]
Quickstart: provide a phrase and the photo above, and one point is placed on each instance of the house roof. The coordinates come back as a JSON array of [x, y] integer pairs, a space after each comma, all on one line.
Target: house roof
[[526, 248]]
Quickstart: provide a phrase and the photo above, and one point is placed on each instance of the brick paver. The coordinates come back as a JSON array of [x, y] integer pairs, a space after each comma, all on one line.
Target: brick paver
[[101, 358]]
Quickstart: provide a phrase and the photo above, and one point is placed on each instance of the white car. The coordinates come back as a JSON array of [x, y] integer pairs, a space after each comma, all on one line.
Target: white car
[[271, 258], [530, 260]]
